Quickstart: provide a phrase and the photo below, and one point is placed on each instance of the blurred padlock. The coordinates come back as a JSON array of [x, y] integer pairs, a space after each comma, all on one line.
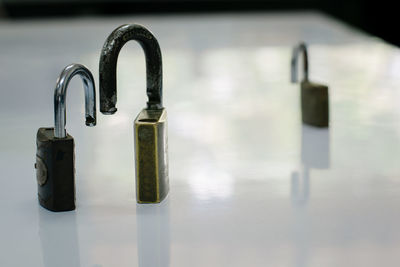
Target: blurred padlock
[[314, 97]]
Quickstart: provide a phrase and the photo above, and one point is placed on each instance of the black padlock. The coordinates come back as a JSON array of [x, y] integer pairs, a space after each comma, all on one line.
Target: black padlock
[[55, 159], [151, 142], [314, 97]]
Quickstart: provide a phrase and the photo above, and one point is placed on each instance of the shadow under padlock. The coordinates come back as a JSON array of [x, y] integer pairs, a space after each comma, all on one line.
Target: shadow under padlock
[[315, 154], [59, 239], [153, 234]]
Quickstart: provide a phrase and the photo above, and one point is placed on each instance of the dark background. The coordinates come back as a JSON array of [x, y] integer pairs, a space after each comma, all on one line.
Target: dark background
[[375, 17]]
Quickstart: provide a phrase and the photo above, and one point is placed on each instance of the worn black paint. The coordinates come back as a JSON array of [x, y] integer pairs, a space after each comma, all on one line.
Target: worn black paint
[[55, 170], [108, 66]]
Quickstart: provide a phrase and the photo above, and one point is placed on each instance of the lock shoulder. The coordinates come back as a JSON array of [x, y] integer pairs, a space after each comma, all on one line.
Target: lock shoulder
[[45, 134], [313, 86], [151, 116]]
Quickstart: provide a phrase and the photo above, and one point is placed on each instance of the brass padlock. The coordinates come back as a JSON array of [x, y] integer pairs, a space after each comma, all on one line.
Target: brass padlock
[[314, 97], [55, 157], [150, 130]]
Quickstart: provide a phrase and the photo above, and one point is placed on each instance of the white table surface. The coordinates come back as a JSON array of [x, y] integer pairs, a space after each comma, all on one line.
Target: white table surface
[[250, 186]]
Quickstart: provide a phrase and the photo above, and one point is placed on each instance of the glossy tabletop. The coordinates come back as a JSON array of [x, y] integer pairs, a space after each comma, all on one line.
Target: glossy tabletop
[[250, 185]]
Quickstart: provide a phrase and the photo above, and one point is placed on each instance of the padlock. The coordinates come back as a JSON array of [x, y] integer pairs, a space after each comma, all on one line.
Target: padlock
[[55, 157], [314, 97], [150, 127]]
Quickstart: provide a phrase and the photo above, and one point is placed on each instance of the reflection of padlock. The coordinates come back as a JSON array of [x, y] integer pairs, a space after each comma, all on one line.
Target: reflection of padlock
[[315, 147], [59, 239], [153, 234], [151, 144], [55, 168], [314, 97]]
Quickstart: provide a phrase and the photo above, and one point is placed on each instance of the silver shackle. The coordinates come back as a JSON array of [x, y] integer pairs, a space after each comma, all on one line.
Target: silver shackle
[[60, 97], [295, 55]]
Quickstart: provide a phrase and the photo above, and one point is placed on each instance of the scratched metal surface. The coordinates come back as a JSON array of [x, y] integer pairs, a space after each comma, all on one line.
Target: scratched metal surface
[[250, 186]]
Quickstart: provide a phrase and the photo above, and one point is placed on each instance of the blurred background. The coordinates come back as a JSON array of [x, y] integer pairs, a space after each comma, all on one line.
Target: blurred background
[[378, 18]]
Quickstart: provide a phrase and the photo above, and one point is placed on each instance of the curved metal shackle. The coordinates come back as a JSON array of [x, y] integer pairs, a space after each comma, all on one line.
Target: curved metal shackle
[[108, 66], [295, 55], [60, 97]]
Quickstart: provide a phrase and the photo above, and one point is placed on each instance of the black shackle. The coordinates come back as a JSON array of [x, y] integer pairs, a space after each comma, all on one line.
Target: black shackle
[[108, 66], [295, 55]]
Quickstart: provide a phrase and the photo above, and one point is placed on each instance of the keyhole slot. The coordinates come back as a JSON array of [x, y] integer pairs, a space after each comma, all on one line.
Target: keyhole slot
[[148, 120]]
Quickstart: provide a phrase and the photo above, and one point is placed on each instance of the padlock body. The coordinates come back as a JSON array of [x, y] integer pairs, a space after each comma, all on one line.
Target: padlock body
[[55, 170], [314, 104], [151, 156]]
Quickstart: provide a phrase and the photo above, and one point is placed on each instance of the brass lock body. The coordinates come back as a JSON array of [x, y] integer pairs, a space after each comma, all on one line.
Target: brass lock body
[[55, 156], [314, 104], [55, 171], [150, 127], [314, 97], [151, 156]]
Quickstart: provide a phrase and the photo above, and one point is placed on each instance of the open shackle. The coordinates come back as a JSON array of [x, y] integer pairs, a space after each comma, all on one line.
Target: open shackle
[[60, 97], [108, 66], [294, 62]]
